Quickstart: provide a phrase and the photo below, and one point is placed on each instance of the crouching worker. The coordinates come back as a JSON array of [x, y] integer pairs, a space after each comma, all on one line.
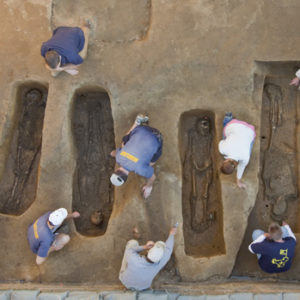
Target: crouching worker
[[138, 271], [236, 146], [66, 49], [274, 249], [42, 237], [141, 148]]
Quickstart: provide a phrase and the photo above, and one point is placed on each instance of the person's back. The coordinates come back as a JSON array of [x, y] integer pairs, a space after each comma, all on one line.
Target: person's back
[[139, 273], [239, 136], [137, 153], [40, 236], [67, 42], [275, 249], [236, 146], [275, 257]]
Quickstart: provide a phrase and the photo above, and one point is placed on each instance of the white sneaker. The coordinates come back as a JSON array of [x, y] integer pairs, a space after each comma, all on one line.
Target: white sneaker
[[140, 119]]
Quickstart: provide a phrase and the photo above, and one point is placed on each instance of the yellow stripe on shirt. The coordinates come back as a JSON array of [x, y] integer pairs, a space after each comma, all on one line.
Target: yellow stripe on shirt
[[129, 156], [36, 235]]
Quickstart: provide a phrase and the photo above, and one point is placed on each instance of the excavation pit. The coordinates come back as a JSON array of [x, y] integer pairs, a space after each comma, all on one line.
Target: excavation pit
[[277, 198], [201, 196], [19, 180], [93, 133]]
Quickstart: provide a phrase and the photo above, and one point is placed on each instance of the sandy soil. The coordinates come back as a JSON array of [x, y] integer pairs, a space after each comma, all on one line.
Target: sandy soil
[[163, 58]]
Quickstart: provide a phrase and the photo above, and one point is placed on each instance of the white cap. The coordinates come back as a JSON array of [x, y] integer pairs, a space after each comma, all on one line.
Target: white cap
[[58, 216], [156, 253], [118, 177], [116, 180]]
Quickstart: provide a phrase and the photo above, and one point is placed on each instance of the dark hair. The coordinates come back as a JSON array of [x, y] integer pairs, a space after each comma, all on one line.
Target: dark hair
[[50, 223], [275, 232], [121, 174], [52, 59], [228, 166]]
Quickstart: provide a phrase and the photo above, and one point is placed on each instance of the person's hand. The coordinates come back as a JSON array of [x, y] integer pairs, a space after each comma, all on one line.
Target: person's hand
[[295, 81], [75, 214], [173, 230], [147, 191], [267, 235], [284, 223], [149, 245], [113, 153], [240, 184]]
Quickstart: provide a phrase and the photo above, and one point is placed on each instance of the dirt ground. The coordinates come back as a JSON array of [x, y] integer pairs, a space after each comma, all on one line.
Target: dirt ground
[[166, 59]]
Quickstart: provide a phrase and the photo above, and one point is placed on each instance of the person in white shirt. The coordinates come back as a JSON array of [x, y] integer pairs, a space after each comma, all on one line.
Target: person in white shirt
[[236, 146]]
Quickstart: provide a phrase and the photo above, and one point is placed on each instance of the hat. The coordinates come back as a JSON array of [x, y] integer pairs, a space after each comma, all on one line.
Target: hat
[[118, 178], [58, 216], [156, 253]]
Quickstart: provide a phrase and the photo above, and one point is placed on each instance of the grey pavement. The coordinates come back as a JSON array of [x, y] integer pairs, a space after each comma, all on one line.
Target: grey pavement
[[128, 295]]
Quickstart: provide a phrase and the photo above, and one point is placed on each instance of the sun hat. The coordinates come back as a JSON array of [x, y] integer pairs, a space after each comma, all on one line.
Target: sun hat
[[58, 216], [118, 178], [156, 253]]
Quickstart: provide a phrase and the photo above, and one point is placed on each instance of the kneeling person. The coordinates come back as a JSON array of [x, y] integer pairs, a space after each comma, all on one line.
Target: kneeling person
[[275, 249], [137, 272], [66, 49], [236, 146], [141, 148], [42, 237]]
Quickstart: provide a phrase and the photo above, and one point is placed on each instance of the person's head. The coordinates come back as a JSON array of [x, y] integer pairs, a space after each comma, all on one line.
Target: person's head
[[52, 59], [203, 126], [275, 232], [156, 253], [118, 177], [57, 217], [228, 166]]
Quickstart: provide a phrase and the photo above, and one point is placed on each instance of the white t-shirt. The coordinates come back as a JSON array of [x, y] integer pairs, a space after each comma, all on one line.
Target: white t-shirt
[[239, 136]]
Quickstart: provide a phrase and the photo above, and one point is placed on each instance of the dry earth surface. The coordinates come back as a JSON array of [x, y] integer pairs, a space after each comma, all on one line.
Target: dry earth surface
[[169, 59]]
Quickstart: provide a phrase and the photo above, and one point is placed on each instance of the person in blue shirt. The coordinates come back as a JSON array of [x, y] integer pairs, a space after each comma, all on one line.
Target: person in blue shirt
[[275, 249], [66, 49], [42, 237], [141, 148]]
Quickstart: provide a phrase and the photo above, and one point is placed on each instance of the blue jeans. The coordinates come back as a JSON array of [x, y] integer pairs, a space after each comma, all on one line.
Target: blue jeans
[[226, 120]]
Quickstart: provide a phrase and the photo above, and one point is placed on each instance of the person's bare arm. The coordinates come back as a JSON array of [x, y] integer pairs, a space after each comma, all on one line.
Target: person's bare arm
[[240, 184], [73, 215], [148, 187], [295, 81]]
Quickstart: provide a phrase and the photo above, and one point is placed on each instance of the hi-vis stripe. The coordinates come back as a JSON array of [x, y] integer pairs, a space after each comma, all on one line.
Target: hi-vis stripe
[[129, 156], [36, 235]]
